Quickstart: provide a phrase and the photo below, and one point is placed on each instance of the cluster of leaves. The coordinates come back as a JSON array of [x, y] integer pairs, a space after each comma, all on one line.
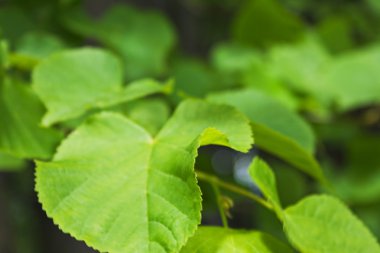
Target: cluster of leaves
[[115, 163]]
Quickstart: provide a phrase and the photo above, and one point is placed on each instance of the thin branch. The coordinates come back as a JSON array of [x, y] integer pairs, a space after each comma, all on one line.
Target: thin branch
[[233, 188]]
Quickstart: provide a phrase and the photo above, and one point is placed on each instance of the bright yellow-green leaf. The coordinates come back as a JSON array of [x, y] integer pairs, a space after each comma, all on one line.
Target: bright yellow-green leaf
[[224, 240], [120, 189], [323, 224]]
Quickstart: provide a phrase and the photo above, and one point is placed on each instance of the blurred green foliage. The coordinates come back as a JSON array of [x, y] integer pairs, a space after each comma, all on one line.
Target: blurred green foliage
[[306, 73]]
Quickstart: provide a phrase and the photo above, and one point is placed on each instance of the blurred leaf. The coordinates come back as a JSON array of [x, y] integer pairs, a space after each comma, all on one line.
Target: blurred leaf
[[370, 216], [287, 149], [336, 33], [20, 116], [224, 240], [145, 185], [264, 110], [248, 67], [354, 78], [20, 23], [263, 23], [234, 59], [322, 224], [193, 78], [4, 58], [301, 65], [32, 48], [143, 38], [39, 45], [148, 113], [72, 82], [277, 129], [360, 183], [374, 4], [287, 177], [10, 163], [358, 190]]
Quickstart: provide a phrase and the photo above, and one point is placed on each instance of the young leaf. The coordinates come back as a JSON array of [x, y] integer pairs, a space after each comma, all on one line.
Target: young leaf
[[142, 38], [20, 116], [322, 224], [224, 240], [72, 82], [119, 189], [277, 129], [264, 178]]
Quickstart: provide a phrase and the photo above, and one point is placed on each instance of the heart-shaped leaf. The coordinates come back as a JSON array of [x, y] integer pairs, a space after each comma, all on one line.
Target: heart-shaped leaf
[[120, 189]]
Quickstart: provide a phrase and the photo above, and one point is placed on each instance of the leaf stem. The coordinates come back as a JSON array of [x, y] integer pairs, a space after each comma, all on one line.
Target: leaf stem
[[218, 195], [233, 188]]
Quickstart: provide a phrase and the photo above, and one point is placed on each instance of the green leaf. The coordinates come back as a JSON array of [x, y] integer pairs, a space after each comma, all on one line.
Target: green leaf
[[277, 129], [4, 58], [33, 47], [233, 58], [142, 38], [263, 177], [10, 163], [248, 67], [360, 183], [301, 65], [39, 45], [354, 78], [322, 224], [148, 113], [224, 240], [265, 22], [20, 116], [14, 22], [120, 189], [72, 82], [193, 78], [336, 32]]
